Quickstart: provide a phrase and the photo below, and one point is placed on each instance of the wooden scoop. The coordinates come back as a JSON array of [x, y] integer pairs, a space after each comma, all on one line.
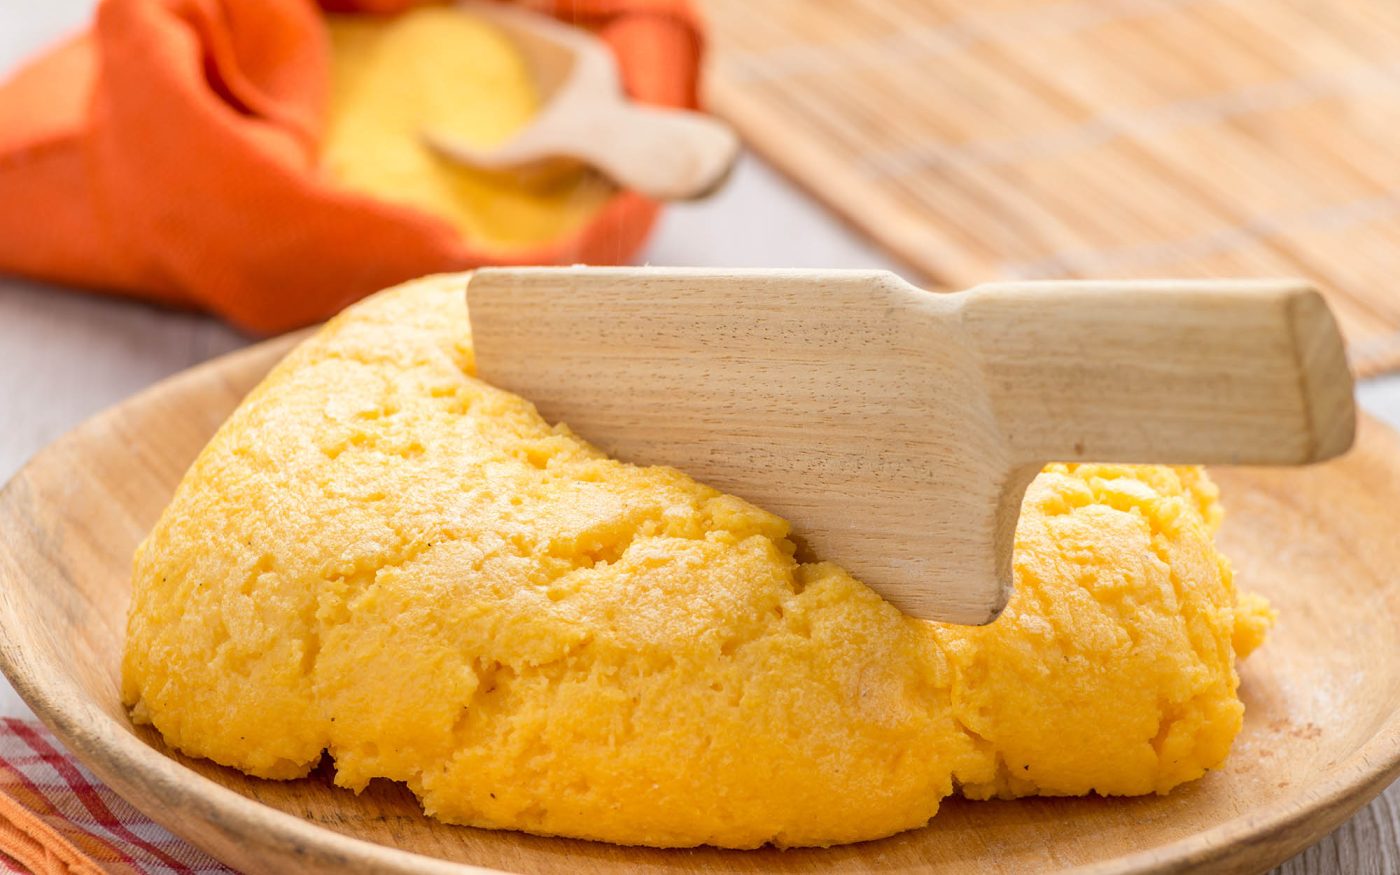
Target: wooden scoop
[[898, 429], [668, 154]]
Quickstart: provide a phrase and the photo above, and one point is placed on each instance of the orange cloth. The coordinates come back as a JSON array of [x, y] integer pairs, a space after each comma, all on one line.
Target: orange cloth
[[171, 153], [38, 847]]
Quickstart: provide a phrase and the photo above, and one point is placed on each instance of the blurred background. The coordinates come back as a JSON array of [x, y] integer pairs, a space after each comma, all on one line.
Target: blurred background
[[224, 199]]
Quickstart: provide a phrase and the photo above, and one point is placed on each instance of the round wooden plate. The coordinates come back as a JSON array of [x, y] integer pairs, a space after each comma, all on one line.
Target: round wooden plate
[[1321, 736]]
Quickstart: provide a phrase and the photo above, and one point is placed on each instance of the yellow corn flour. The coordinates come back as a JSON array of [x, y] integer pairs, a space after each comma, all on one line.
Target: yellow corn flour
[[448, 71], [382, 557]]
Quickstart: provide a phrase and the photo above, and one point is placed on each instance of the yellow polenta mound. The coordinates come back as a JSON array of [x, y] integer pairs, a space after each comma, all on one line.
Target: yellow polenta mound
[[381, 557]]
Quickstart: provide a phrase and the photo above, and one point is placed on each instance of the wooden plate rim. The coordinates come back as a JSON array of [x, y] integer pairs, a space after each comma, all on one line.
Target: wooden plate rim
[[160, 786]]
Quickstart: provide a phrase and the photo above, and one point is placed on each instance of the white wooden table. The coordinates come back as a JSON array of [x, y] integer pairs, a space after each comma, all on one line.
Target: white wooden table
[[63, 356]]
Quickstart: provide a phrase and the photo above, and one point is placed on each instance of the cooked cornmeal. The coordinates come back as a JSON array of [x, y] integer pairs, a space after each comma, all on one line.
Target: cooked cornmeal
[[381, 557], [444, 70]]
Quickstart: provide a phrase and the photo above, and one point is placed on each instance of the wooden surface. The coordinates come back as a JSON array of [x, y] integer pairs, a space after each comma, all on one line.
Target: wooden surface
[[64, 356], [898, 429], [1321, 736], [1033, 139], [666, 154]]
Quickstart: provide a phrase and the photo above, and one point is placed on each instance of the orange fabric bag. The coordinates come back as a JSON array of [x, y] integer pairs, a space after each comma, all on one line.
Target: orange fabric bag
[[170, 153]]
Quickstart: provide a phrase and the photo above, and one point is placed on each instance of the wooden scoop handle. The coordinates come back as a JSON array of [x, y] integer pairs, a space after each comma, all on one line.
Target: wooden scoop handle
[[666, 154], [1224, 372]]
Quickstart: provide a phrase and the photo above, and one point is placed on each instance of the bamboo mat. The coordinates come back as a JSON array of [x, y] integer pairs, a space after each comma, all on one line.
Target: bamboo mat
[[1091, 138]]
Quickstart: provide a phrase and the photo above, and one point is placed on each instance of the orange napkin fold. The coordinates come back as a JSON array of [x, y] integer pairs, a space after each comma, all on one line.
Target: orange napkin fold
[[170, 153]]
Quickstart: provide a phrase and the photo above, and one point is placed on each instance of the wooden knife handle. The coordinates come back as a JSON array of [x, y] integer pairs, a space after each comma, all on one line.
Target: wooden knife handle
[[1212, 371]]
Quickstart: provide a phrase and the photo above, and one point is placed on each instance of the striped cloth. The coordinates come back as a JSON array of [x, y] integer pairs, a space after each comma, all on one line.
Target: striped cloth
[[56, 818]]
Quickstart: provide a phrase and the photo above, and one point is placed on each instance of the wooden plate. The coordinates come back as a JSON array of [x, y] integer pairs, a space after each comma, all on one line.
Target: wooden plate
[[1321, 736]]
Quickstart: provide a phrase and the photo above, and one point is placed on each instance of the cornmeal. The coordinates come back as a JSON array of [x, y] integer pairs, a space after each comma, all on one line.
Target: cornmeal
[[444, 70], [381, 557]]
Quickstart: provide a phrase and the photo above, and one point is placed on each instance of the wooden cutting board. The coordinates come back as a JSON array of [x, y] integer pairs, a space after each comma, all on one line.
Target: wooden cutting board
[[1321, 735], [1041, 139]]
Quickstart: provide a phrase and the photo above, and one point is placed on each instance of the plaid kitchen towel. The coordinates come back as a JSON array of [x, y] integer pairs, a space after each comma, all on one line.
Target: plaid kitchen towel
[[56, 818]]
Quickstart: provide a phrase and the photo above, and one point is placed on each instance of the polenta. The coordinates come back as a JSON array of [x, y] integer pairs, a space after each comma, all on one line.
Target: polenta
[[380, 557], [445, 70]]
